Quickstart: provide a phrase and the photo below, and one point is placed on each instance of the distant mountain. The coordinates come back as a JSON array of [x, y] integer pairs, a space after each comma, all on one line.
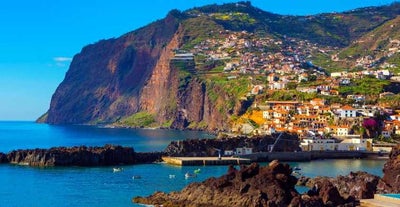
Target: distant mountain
[[379, 48], [167, 74]]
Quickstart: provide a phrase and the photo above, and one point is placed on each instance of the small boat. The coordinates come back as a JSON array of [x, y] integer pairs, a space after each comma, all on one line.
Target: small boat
[[135, 177], [296, 173], [117, 169], [189, 175], [296, 168], [171, 176], [197, 171]]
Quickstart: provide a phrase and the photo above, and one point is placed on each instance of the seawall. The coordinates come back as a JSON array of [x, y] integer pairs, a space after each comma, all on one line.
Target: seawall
[[308, 155]]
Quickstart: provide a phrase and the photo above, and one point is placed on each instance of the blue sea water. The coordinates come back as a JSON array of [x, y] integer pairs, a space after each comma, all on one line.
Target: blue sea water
[[100, 186], [394, 196]]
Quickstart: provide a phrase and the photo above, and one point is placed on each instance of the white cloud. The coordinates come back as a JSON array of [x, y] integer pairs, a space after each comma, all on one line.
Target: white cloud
[[62, 59]]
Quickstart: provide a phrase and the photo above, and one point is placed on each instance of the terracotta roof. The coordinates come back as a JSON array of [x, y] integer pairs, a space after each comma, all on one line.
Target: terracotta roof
[[347, 107]]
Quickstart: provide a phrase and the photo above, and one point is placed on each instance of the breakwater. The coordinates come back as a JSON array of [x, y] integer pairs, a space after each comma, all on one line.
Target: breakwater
[[79, 156]]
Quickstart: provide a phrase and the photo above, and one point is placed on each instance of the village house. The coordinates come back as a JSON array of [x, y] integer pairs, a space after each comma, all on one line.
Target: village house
[[340, 131], [281, 85], [347, 112]]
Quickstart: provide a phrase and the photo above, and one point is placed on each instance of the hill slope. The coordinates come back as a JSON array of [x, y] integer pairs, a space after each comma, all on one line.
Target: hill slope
[[144, 71]]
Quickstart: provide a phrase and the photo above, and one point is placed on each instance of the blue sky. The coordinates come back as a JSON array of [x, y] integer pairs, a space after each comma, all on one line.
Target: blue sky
[[39, 38]]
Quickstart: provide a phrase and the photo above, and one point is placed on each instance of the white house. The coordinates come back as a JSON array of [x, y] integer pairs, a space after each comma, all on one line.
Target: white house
[[347, 111], [342, 131], [277, 85]]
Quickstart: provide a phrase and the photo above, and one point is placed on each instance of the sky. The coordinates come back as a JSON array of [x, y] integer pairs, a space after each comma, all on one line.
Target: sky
[[38, 39]]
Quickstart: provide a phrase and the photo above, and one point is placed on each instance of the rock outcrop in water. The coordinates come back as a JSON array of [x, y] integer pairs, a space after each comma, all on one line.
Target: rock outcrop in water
[[390, 182], [252, 185], [358, 185], [274, 186], [3, 158], [81, 156]]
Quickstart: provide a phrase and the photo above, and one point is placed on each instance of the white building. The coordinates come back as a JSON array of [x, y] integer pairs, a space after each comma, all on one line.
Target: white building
[[356, 144], [347, 111], [330, 145], [277, 85], [228, 152], [244, 150], [318, 145]]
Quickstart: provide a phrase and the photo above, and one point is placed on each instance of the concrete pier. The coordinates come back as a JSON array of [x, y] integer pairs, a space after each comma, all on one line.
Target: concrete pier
[[269, 156], [185, 161]]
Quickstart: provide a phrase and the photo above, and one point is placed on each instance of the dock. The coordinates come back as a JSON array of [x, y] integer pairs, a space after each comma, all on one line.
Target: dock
[[380, 201], [303, 156], [189, 161]]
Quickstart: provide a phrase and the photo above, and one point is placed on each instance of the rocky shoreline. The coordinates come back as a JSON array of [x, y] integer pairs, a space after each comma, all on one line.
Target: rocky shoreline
[[79, 156], [274, 185], [118, 155]]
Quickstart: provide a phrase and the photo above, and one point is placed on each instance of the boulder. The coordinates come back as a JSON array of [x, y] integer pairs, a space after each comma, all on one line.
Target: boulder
[[251, 185], [3, 158], [390, 182], [358, 185]]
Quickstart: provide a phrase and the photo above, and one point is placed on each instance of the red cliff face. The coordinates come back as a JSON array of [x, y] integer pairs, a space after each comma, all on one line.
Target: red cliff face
[[116, 78], [106, 80]]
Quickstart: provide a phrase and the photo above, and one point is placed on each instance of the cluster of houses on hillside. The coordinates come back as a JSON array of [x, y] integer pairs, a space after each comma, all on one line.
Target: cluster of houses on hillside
[[317, 119], [284, 62], [321, 126], [246, 53]]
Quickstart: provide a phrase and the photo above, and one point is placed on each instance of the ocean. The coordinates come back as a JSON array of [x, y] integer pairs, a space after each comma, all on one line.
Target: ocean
[[100, 186]]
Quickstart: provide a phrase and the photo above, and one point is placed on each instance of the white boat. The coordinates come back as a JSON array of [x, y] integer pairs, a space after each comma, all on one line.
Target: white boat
[[189, 175], [136, 177], [117, 169], [171, 176], [296, 173]]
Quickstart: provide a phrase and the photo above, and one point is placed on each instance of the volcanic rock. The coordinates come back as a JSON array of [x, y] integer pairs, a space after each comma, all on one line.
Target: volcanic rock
[[358, 185], [390, 182], [81, 156], [252, 185], [3, 158]]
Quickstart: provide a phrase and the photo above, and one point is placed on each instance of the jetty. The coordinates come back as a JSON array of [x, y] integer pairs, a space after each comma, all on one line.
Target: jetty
[[269, 156], [189, 161], [381, 200]]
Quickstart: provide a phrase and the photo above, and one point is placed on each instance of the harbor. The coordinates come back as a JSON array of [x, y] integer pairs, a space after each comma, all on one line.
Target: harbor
[[190, 161], [269, 156]]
